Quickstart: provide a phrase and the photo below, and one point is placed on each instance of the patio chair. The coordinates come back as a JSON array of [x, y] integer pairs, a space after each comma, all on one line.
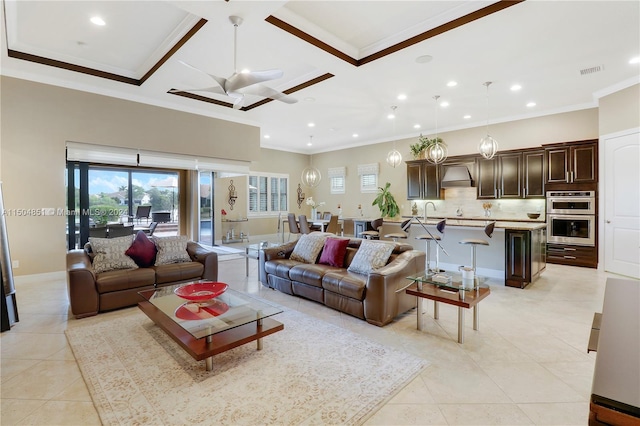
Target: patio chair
[[143, 212]]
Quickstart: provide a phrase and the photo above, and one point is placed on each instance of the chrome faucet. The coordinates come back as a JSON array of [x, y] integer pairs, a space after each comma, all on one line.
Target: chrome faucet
[[425, 208]]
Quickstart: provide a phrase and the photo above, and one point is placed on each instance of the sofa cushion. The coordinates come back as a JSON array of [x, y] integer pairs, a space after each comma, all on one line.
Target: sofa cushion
[[142, 251], [310, 274], [344, 283], [308, 247], [178, 272], [280, 267], [119, 280], [371, 255], [334, 252], [110, 253], [171, 250]]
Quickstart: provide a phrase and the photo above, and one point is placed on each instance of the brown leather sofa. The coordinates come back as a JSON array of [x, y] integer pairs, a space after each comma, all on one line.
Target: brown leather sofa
[[91, 293], [377, 297]]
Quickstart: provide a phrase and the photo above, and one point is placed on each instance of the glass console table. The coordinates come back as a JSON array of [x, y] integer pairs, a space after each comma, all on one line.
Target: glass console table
[[449, 289]]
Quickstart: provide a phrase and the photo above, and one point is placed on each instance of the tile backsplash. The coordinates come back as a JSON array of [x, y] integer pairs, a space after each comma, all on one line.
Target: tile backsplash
[[465, 200]]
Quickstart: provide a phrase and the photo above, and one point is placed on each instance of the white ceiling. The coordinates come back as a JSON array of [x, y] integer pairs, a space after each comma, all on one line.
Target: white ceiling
[[542, 45]]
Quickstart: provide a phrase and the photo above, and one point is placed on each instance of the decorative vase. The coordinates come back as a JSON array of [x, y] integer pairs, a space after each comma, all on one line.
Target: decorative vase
[[314, 213], [487, 212]]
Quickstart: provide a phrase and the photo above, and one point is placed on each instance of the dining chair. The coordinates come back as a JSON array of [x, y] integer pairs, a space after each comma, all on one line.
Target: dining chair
[[348, 227], [293, 225], [326, 216], [333, 226], [304, 225]]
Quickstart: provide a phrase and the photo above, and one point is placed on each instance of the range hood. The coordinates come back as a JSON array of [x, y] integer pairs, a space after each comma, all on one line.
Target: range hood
[[456, 177]]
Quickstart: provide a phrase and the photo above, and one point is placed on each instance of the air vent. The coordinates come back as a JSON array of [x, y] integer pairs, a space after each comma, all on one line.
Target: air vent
[[592, 70]]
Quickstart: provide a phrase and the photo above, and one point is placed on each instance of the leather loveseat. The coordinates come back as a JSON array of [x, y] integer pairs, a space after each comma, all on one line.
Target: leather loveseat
[[91, 292], [377, 296]]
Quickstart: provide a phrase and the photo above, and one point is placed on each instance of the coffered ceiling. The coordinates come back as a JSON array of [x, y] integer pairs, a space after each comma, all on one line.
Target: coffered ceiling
[[345, 62]]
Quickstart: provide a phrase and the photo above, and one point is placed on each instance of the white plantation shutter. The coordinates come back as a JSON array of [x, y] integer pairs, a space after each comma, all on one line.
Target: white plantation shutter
[[337, 179], [368, 177]]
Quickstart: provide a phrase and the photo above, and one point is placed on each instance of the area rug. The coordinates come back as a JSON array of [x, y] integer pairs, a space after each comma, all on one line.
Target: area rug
[[310, 373]]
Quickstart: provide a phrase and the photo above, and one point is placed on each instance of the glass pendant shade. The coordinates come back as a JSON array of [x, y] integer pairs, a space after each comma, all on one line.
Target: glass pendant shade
[[311, 177], [488, 147], [437, 153], [394, 158]]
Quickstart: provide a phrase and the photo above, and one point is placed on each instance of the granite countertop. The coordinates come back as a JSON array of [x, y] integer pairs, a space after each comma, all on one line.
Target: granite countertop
[[524, 225]]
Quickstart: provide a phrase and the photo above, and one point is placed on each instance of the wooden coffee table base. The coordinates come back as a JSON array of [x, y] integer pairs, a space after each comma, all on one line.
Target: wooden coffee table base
[[206, 348]]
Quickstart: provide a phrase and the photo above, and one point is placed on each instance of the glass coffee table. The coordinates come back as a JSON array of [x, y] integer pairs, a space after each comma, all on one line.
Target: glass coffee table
[[449, 289], [252, 251], [204, 329]]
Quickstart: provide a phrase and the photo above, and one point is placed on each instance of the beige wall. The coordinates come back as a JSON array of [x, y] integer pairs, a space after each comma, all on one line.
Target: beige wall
[[620, 110], [38, 119]]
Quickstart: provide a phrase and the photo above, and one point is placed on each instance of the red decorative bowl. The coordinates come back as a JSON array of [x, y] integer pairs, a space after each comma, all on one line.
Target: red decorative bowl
[[201, 291], [191, 311]]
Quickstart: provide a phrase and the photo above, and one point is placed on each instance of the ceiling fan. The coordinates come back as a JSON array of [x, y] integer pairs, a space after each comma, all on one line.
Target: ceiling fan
[[242, 83]]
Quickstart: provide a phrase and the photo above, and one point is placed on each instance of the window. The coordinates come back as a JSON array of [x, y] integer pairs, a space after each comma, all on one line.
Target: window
[[368, 177], [336, 179], [268, 193]]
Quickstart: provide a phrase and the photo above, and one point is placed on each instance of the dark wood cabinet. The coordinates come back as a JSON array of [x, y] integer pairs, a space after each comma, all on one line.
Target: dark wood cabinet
[[423, 181], [564, 254], [525, 256], [515, 174], [534, 174], [573, 163]]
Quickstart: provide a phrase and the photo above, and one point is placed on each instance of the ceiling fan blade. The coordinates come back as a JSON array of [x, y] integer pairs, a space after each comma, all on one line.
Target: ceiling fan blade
[[212, 89], [238, 102], [268, 92], [242, 80], [221, 81]]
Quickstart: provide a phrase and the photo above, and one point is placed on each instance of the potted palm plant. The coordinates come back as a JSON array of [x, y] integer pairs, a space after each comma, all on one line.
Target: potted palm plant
[[386, 202]]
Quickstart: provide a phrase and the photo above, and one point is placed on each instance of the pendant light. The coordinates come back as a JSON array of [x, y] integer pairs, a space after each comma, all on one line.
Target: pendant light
[[437, 152], [394, 158], [310, 175], [488, 146]]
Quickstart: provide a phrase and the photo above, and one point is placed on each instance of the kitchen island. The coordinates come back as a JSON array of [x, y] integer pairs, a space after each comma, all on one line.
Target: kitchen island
[[515, 256]]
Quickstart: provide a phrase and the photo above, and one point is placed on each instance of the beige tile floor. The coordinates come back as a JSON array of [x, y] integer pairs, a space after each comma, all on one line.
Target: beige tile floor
[[526, 365]]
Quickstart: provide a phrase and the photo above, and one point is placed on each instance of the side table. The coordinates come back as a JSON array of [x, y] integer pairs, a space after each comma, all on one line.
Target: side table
[[452, 293]]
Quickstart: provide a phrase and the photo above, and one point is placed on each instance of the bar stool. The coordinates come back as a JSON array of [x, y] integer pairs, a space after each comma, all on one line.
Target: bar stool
[[429, 237], [474, 242], [375, 234], [404, 231]]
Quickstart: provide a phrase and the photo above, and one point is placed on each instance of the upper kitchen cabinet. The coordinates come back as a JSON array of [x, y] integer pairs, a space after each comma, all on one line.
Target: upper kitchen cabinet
[[423, 181], [515, 174], [572, 163]]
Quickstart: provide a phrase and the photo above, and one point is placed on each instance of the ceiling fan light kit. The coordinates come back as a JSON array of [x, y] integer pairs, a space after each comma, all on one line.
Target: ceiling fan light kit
[[242, 83]]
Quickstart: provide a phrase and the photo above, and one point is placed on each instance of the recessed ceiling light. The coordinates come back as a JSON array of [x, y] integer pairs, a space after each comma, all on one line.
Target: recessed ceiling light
[[452, 84], [96, 20], [444, 104], [267, 136], [515, 87], [391, 116], [466, 117], [311, 124], [402, 97], [416, 126], [531, 104], [355, 135], [424, 59], [309, 99], [635, 60]]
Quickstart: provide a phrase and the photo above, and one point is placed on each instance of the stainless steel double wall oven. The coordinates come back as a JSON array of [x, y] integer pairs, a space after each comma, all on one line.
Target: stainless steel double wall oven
[[571, 217]]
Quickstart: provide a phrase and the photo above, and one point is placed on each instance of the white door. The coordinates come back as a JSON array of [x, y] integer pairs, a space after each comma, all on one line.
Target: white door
[[622, 204]]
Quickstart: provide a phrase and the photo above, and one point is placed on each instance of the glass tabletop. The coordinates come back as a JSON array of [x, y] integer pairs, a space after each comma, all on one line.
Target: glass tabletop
[[201, 319], [450, 280]]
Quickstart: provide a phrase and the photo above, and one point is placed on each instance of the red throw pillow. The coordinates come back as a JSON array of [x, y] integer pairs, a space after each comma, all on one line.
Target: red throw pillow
[[334, 251], [142, 250]]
